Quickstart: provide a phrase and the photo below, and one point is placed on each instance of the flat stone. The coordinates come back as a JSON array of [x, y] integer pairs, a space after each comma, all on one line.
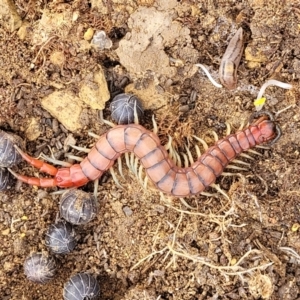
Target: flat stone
[[9, 17], [94, 91], [65, 107]]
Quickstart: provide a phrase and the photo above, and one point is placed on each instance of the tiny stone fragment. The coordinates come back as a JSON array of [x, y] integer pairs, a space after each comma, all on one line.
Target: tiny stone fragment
[[127, 211]]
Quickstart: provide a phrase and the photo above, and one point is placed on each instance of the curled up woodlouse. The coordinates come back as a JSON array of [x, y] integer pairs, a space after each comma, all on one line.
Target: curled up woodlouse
[[77, 207], [122, 108], [39, 267], [61, 237], [159, 168], [6, 181], [8, 155], [81, 286]]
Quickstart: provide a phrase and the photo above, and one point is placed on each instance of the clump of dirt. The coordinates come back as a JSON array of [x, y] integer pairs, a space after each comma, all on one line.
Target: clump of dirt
[[239, 241]]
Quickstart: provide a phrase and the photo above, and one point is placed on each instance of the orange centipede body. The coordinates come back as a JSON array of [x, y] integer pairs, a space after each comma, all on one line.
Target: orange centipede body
[[160, 169]]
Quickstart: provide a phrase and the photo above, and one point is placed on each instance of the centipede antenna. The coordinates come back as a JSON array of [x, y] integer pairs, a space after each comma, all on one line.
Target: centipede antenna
[[71, 156], [186, 204], [217, 187], [55, 161], [216, 84], [246, 156], [191, 159], [254, 152], [204, 144], [237, 161], [155, 128], [198, 151], [93, 135], [113, 174], [186, 160], [120, 167], [82, 149], [236, 168], [228, 128], [111, 124], [214, 134]]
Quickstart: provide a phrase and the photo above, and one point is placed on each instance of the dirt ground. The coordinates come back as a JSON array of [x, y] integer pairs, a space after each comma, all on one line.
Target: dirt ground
[[142, 245]]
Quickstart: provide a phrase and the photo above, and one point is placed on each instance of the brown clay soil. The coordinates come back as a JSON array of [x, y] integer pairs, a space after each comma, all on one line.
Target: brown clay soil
[[142, 245]]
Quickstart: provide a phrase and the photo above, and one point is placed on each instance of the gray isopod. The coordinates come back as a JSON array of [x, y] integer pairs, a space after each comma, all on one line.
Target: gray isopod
[[6, 179], [9, 156], [122, 108], [61, 237], [81, 286], [39, 267], [77, 207]]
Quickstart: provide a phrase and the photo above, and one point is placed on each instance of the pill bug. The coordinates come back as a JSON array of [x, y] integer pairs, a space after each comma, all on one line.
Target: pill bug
[[61, 237], [122, 108], [9, 156], [39, 267], [81, 286], [77, 207], [6, 180]]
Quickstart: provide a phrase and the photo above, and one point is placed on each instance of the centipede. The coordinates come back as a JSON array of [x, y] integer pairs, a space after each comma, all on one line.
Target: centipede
[[166, 176]]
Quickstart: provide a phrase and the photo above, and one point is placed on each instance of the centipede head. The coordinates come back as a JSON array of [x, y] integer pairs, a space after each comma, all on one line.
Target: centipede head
[[268, 130]]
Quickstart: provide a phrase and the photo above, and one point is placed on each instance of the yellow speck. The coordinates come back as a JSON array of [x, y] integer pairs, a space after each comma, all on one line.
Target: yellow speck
[[88, 35], [259, 102], [295, 227], [22, 235], [233, 262], [24, 218]]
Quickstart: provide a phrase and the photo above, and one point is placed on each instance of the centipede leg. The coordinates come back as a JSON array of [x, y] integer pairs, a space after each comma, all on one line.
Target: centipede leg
[[82, 149], [55, 161], [96, 185], [93, 135], [155, 128], [217, 187], [254, 152], [113, 175], [237, 161], [186, 204], [120, 167], [236, 168], [140, 175]]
